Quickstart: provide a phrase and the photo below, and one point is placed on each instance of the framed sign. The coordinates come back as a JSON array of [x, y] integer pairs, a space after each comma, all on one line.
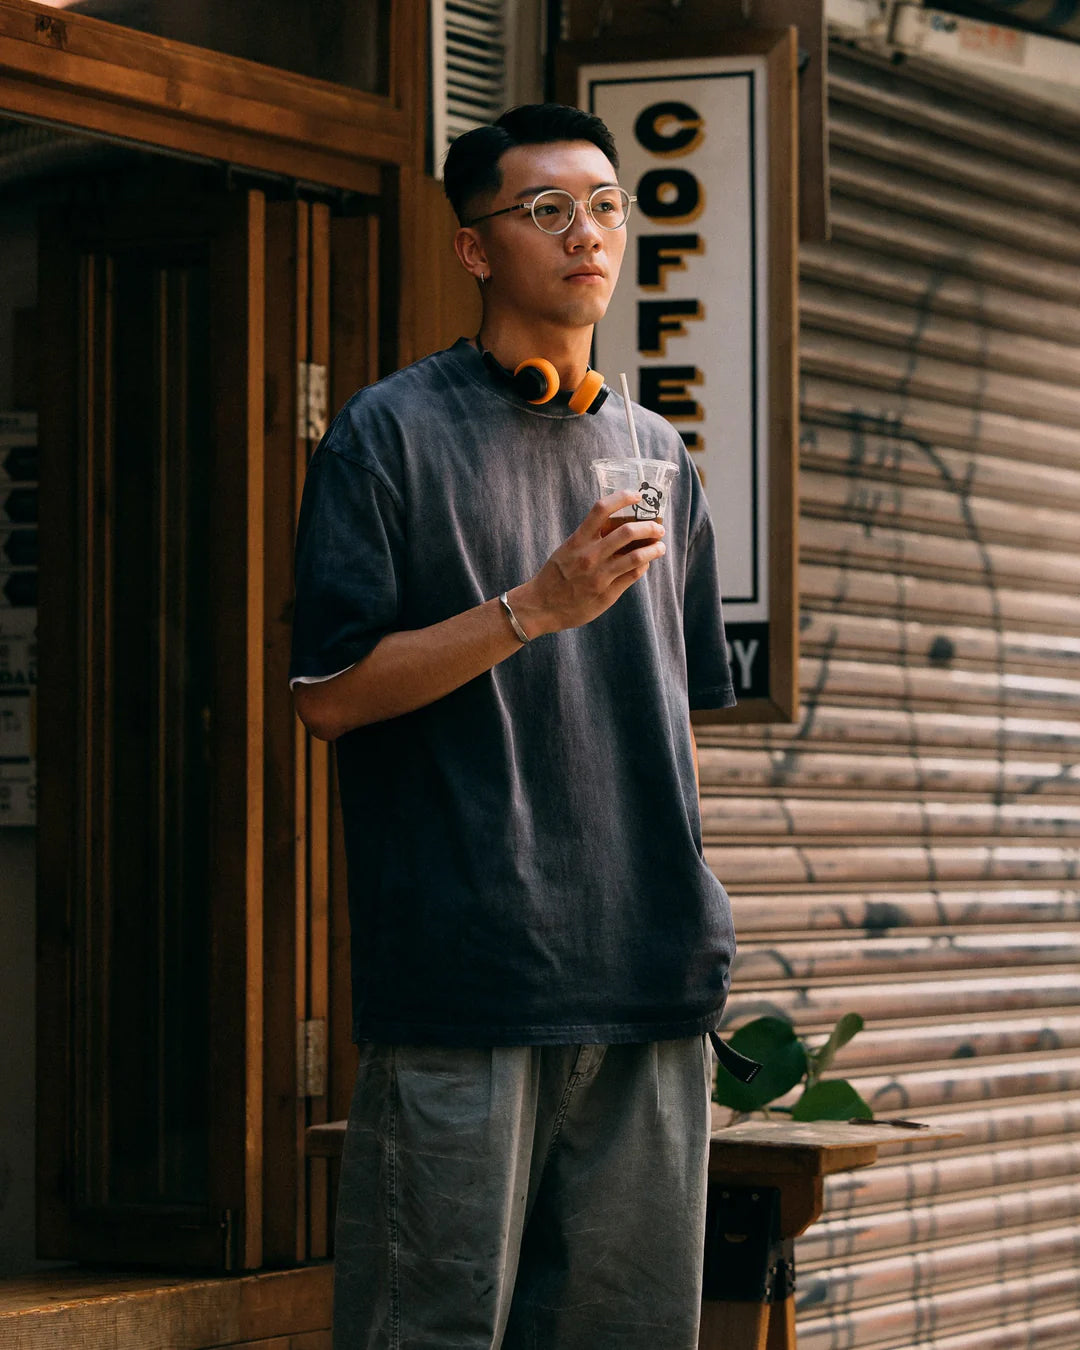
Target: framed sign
[[703, 321]]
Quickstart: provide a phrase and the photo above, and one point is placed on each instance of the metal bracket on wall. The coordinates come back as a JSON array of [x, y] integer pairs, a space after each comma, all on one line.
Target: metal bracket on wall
[[746, 1260]]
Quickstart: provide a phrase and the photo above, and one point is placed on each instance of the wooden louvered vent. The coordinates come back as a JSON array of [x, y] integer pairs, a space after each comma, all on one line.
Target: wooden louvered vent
[[911, 849], [470, 53]]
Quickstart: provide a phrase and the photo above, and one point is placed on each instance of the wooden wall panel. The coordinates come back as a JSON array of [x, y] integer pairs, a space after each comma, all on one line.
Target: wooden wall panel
[[440, 300]]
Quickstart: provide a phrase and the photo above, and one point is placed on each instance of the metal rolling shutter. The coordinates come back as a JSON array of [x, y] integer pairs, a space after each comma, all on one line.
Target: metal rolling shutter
[[910, 850]]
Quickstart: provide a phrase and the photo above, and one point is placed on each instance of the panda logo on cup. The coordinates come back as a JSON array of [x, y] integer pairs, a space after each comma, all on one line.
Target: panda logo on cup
[[649, 506], [651, 479]]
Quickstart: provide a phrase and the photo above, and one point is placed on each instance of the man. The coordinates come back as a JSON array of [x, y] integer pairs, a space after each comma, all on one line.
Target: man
[[538, 946]]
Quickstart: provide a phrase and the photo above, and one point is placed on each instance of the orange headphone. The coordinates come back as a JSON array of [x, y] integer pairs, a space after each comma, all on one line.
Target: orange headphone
[[537, 381]]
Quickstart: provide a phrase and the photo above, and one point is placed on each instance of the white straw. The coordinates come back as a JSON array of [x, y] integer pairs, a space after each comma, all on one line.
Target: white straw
[[629, 415]]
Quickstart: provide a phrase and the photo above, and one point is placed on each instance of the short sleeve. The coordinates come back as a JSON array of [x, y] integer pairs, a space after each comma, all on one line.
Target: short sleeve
[[349, 560], [708, 674]]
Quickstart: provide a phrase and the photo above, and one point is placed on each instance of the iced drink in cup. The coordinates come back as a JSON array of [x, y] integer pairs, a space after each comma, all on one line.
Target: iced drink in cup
[[651, 477]]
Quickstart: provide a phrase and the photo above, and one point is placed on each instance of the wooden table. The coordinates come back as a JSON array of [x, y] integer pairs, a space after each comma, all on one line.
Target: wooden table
[[767, 1185]]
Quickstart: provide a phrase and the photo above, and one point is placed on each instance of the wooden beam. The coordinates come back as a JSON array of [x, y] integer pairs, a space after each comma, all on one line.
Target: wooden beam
[[100, 77]]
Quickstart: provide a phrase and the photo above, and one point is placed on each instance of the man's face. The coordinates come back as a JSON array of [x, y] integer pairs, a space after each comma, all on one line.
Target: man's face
[[563, 279]]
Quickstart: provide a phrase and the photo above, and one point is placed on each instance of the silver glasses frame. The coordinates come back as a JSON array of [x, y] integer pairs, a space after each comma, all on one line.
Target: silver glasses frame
[[575, 202]]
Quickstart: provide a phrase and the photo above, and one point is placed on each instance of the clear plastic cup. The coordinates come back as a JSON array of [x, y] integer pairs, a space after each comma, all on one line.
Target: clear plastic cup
[[651, 477]]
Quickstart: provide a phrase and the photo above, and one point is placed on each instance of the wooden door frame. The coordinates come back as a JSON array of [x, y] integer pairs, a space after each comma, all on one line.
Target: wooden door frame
[[85, 75], [76, 430], [96, 76], [270, 959], [88, 75]]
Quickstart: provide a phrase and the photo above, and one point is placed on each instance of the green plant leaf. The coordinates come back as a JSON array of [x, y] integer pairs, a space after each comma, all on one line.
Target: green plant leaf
[[835, 1099], [849, 1025], [781, 1054]]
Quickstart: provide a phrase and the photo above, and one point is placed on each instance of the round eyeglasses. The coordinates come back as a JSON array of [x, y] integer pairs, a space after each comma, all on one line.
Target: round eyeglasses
[[553, 211]]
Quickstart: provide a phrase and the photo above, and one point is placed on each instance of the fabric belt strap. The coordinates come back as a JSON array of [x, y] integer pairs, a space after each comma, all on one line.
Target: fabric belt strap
[[739, 1066]]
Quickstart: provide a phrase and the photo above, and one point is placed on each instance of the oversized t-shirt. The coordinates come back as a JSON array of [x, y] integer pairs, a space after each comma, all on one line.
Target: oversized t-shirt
[[524, 855]]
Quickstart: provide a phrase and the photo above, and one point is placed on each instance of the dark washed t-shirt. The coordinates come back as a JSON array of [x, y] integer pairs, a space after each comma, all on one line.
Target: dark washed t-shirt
[[524, 854]]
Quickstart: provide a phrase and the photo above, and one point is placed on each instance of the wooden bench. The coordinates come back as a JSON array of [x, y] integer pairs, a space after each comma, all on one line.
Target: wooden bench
[[271, 1310]]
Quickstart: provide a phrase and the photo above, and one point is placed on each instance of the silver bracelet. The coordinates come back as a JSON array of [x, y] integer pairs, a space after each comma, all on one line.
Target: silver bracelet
[[520, 632]]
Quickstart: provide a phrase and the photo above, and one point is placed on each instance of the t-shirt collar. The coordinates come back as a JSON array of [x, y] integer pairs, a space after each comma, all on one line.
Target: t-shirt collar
[[474, 367]]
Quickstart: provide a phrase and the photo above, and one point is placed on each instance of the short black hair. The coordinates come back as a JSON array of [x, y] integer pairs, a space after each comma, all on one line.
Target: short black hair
[[472, 162]]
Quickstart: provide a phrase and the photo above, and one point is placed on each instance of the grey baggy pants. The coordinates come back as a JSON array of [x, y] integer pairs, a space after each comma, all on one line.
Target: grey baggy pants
[[524, 1198]]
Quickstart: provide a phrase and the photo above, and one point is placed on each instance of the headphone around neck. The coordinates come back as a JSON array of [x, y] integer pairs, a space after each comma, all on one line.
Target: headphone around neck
[[537, 381]]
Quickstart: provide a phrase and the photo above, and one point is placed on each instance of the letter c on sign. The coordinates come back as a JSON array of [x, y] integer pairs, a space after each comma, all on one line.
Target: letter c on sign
[[656, 133]]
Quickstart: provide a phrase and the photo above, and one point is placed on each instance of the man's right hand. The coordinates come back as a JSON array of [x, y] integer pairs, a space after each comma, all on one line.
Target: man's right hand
[[589, 571], [414, 667]]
